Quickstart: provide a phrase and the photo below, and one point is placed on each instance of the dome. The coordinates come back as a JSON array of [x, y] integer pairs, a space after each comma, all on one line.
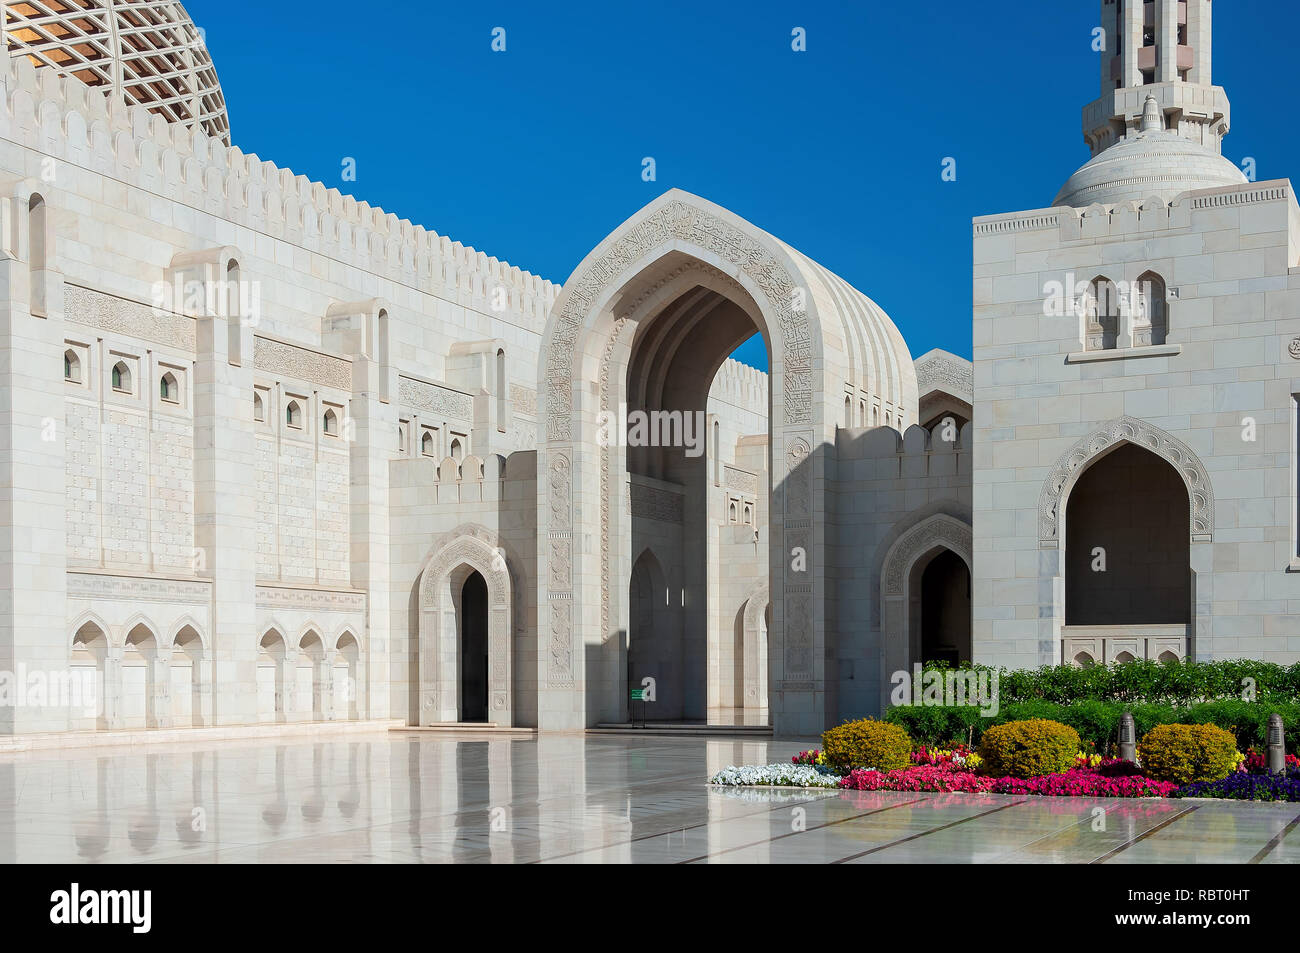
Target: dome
[[1151, 162], [148, 52]]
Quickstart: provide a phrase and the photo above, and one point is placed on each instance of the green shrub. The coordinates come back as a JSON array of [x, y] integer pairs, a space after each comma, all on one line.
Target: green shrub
[[1098, 721], [1187, 753], [1027, 749], [867, 744], [1151, 682]]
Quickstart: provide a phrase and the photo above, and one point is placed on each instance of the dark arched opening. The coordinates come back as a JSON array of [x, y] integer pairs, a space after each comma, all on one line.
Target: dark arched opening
[[946, 610], [1127, 544], [474, 649]]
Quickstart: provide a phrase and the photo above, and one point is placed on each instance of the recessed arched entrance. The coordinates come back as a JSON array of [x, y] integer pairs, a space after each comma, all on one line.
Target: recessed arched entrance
[[945, 619], [467, 601], [655, 650], [474, 649], [642, 326], [1127, 549]]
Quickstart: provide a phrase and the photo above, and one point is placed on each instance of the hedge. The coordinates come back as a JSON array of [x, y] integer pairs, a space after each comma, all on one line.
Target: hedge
[[1174, 683], [1098, 721]]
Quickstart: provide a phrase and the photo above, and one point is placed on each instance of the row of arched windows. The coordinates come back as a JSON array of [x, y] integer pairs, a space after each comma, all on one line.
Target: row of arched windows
[[861, 419], [1113, 311], [121, 378], [429, 443], [293, 415]]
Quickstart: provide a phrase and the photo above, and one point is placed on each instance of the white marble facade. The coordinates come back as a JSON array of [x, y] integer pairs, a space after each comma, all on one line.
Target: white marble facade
[[271, 455]]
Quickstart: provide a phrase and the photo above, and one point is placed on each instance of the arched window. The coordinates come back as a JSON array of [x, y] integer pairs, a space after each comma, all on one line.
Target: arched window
[[259, 409], [1084, 660], [330, 423], [293, 415], [36, 265], [862, 413], [1150, 321], [875, 416], [501, 390], [401, 438], [848, 410], [457, 451], [1101, 312], [749, 513], [1124, 658], [167, 389], [121, 378], [731, 512], [71, 367], [426, 445], [235, 317]]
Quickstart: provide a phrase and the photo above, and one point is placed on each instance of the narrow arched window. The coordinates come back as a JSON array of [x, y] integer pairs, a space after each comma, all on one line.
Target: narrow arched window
[[259, 409], [36, 265], [1150, 319], [1101, 312], [330, 423], [501, 390], [426, 444], [121, 378], [71, 367], [293, 415], [167, 389], [401, 438], [456, 450]]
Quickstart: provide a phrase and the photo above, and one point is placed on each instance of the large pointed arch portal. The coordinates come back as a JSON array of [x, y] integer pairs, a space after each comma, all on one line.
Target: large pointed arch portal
[[660, 301]]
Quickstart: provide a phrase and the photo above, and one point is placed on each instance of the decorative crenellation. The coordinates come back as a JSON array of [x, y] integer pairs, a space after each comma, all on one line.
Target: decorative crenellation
[[65, 119], [424, 397], [107, 312], [291, 360], [741, 386], [1097, 220]]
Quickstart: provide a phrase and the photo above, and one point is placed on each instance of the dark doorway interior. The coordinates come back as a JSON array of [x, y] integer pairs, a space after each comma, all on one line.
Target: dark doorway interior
[[474, 649], [945, 610], [1127, 545]]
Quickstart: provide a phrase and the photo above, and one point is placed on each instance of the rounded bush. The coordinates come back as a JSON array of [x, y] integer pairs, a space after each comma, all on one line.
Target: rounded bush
[[1186, 754], [867, 744], [1029, 749]]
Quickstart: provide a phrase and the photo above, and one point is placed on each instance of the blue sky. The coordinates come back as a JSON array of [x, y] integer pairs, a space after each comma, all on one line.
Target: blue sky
[[534, 155]]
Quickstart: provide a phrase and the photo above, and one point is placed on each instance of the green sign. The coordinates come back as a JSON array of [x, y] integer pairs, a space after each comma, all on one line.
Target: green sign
[[638, 694]]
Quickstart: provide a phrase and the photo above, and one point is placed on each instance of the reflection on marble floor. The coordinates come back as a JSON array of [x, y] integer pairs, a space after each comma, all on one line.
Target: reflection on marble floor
[[409, 798]]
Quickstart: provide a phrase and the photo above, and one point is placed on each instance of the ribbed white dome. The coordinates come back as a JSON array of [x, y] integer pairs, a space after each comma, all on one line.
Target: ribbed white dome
[[148, 52], [1150, 162]]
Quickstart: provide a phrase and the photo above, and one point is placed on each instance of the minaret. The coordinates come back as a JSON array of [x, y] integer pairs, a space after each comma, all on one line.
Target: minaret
[[1159, 49]]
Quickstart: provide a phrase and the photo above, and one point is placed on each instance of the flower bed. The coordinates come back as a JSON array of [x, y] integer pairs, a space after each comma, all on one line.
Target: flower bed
[[1077, 782], [1243, 786], [777, 775], [956, 769]]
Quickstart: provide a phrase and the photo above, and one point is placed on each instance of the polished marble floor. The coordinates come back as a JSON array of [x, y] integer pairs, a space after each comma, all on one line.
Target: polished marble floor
[[435, 798]]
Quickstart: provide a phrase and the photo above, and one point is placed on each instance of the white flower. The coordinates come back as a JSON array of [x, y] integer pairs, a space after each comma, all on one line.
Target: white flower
[[779, 775]]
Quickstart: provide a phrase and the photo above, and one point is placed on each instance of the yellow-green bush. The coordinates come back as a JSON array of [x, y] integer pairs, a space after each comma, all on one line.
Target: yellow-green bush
[[1186, 753], [1028, 749], [867, 744]]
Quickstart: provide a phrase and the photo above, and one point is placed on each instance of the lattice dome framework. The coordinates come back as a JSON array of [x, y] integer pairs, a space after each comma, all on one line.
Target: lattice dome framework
[[147, 52]]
